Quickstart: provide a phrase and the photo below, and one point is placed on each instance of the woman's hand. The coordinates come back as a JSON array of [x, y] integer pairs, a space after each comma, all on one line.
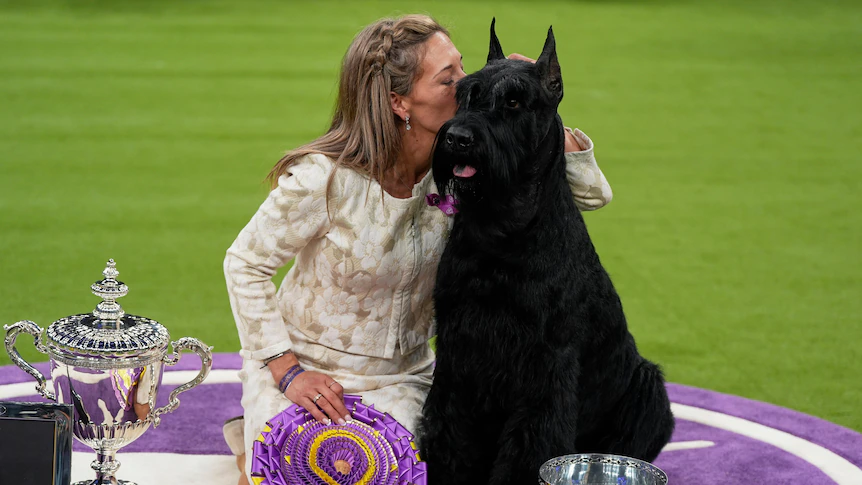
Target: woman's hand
[[305, 388], [519, 57], [315, 391]]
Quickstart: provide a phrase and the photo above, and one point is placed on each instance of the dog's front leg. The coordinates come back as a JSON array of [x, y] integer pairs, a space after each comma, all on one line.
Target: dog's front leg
[[526, 443], [543, 425], [456, 452]]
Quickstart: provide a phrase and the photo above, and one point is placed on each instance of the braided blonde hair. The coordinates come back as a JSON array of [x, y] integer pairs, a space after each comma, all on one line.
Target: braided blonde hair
[[386, 56]]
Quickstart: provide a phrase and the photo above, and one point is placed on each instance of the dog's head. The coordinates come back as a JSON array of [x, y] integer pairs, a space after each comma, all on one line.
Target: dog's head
[[499, 138]]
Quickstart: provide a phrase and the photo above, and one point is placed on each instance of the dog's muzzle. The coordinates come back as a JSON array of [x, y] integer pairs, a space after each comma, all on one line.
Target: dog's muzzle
[[459, 142], [458, 138]]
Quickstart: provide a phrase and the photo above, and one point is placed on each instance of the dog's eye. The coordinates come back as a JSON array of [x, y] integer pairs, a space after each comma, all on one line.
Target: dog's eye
[[513, 104]]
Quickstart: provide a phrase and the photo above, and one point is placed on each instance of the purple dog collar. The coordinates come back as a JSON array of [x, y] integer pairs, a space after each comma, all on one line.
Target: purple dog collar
[[447, 205]]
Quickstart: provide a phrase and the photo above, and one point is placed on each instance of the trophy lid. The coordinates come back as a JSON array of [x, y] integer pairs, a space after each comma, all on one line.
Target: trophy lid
[[107, 337]]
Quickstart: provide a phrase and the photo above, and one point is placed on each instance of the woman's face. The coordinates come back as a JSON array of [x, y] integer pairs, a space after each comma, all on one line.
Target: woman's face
[[432, 99]]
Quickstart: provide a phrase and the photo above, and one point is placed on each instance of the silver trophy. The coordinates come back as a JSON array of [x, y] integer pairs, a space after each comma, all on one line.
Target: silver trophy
[[108, 365], [600, 469]]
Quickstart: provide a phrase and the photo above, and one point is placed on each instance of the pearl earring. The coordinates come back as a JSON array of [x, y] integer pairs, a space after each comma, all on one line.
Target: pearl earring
[[407, 120]]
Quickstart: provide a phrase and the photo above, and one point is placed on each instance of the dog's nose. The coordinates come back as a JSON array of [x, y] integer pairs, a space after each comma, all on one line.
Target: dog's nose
[[458, 137]]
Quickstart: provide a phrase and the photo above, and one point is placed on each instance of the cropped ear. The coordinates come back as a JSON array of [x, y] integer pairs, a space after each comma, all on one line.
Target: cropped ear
[[495, 52], [549, 67]]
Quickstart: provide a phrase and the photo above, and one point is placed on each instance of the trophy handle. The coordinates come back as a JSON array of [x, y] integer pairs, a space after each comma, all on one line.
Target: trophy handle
[[28, 327], [205, 353]]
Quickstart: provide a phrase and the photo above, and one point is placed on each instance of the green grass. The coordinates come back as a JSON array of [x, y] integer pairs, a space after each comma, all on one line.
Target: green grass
[[730, 132]]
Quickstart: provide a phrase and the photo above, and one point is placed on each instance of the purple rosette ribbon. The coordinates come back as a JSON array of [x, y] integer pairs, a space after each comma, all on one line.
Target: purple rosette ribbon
[[373, 449]]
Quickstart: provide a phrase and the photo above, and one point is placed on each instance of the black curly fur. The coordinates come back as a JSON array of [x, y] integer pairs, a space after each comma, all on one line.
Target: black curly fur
[[534, 356]]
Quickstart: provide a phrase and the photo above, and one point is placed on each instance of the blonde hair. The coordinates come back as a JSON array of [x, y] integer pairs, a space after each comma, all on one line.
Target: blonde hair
[[385, 57]]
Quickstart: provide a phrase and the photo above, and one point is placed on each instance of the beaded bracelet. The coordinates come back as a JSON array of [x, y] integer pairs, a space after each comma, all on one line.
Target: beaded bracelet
[[289, 377]]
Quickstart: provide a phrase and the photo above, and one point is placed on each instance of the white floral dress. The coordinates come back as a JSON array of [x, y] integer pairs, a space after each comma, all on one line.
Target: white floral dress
[[357, 303]]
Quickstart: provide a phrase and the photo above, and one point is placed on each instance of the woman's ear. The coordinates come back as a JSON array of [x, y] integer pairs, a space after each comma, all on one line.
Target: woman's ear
[[400, 105]]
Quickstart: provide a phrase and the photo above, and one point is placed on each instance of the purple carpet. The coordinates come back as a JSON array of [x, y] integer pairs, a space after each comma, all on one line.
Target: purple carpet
[[829, 453]]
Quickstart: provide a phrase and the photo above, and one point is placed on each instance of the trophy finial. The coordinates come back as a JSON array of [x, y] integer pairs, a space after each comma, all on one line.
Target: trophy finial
[[109, 290], [111, 270]]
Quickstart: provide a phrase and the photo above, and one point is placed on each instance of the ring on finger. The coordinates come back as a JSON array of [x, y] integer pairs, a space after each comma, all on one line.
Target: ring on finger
[[316, 398], [331, 384]]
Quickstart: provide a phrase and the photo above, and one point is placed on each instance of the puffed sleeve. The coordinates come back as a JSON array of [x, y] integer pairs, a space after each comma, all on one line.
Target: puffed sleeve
[[588, 183], [293, 214]]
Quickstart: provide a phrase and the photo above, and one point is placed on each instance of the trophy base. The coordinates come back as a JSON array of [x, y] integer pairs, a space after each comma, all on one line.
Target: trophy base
[[105, 482]]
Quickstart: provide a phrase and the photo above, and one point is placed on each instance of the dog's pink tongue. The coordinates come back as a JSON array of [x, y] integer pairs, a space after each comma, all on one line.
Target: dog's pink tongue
[[464, 171]]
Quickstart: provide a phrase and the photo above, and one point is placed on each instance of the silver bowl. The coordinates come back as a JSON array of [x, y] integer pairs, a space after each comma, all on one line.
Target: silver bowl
[[599, 469]]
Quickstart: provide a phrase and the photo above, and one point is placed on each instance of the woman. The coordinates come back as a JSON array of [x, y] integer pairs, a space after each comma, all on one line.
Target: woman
[[354, 313]]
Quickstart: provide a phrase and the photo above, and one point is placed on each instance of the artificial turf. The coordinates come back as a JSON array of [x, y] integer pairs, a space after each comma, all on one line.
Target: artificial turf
[[729, 131]]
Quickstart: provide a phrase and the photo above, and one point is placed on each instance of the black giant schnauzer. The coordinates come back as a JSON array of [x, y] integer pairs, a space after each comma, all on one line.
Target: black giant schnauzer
[[534, 357]]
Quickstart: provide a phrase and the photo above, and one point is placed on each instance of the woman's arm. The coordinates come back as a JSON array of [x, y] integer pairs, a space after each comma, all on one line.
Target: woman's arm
[[292, 215], [588, 183]]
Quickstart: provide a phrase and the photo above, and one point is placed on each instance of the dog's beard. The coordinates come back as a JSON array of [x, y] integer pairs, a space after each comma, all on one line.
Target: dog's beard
[[465, 177], [465, 190], [482, 172], [458, 175]]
